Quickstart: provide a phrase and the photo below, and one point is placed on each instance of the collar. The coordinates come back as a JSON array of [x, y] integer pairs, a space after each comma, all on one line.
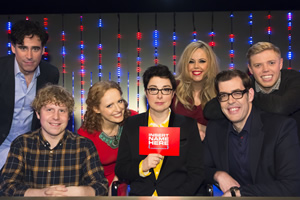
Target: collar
[[258, 88], [246, 128], [17, 69], [165, 123], [45, 143]]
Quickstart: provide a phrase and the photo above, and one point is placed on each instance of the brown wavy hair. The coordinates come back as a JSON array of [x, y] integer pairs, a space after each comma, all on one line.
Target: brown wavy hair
[[184, 91], [92, 120]]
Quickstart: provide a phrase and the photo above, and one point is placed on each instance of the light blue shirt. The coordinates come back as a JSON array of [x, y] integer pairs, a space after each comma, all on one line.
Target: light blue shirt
[[23, 113]]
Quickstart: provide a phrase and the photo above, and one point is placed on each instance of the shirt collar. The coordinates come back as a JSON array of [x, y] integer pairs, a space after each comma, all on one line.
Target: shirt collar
[[275, 86], [17, 69], [246, 128], [165, 123], [47, 144]]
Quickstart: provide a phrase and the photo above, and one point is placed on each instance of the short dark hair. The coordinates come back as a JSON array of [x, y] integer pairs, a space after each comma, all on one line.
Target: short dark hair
[[161, 71], [23, 28], [230, 74]]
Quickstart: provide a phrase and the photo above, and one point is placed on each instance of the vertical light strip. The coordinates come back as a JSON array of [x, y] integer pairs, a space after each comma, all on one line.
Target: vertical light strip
[[231, 39], [100, 48], [119, 50], [269, 31], [212, 33], [128, 87], [194, 29], [73, 92], [63, 51], [155, 42], [174, 43], [8, 36], [46, 53], [290, 53], [138, 63], [250, 41], [91, 83], [82, 70]]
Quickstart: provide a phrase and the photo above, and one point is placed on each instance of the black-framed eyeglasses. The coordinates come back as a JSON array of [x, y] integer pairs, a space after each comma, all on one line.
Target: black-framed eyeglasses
[[164, 91], [236, 95]]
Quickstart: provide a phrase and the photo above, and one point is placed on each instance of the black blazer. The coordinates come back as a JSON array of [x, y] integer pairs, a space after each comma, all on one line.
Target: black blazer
[[274, 154], [48, 73], [180, 175]]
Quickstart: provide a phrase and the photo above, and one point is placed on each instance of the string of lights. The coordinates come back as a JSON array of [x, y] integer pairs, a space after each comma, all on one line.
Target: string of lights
[[231, 39], [73, 92], [269, 30], [212, 33], [250, 40], [174, 43], [155, 42], [100, 48], [290, 53], [194, 29], [82, 70], [63, 51], [46, 53], [138, 62], [8, 36], [119, 50]]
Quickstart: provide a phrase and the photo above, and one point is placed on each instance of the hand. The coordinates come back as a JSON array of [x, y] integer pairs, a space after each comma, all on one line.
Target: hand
[[202, 130], [225, 181], [55, 190], [151, 161], [81, 191]]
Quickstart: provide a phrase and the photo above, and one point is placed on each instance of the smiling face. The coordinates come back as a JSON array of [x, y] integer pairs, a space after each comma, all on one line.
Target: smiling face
[[236, 110], [198, 65], [159, 103], [265, 67], [54, 120], [28, 54], [111, 107]]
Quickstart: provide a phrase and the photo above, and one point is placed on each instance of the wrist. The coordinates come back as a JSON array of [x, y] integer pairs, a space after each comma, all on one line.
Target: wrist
[[235, 191]]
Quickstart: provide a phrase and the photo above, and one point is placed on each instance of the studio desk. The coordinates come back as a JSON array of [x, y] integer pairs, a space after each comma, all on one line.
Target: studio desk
[[149, 198]]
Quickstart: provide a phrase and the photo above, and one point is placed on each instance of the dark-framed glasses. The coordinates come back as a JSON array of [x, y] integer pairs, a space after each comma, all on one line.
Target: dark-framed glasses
[[236, 95], [164, 91]]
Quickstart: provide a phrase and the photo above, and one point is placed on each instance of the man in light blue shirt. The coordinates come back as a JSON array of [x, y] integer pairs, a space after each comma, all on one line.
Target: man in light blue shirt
[[24, 73]]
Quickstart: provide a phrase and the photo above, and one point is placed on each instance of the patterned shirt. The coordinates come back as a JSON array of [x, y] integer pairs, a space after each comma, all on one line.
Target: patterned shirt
[[32, 164]]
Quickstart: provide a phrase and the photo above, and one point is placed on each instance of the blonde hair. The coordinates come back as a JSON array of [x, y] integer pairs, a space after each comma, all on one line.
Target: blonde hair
[[184, 90], [260, 47], [55, 94], [92, 120]]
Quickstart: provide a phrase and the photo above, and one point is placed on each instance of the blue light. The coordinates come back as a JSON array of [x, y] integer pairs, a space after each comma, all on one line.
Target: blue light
[[100, 23], [290, 55], [82, 46], [119, 55]]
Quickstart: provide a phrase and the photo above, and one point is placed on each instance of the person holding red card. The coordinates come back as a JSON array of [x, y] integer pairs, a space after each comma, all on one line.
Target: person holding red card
[[106, 111], [155, 174]]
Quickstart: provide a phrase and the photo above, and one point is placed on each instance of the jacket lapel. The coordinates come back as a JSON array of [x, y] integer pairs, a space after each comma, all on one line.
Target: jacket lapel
[[256, 141]]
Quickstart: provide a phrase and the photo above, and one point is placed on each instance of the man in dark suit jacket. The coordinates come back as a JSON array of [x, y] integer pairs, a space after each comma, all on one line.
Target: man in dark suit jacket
[[22, 75], [178, 175], [251, 152]]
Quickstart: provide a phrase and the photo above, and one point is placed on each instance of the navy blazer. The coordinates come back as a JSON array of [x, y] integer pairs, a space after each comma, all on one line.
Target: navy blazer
[[48, 74], [274, 154], [179, 176]]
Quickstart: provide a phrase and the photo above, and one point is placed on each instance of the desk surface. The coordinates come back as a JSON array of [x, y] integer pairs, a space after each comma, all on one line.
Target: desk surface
[[147, 198]]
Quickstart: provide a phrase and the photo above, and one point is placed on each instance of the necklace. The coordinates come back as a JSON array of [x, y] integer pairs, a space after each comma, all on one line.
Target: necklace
[[112, 141]]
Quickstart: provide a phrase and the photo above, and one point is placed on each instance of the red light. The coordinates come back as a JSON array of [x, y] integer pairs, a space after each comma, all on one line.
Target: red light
[[212, 44], [269, 16], [81, 28], [174, 43], [119, 35], [138, 69]]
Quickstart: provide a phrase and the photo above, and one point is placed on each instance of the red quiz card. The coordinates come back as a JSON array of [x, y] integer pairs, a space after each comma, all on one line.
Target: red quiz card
[[162, 140]]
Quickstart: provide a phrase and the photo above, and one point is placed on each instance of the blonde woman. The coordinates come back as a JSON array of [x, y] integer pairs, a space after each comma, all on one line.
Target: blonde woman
[[196, 71]]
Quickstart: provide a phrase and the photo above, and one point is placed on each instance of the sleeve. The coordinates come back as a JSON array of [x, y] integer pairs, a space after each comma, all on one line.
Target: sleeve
[[286, 180], [127, 166], [12, 177], [285, 103], [195, 163], [93, 174], [210, 166], [212, 110]]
